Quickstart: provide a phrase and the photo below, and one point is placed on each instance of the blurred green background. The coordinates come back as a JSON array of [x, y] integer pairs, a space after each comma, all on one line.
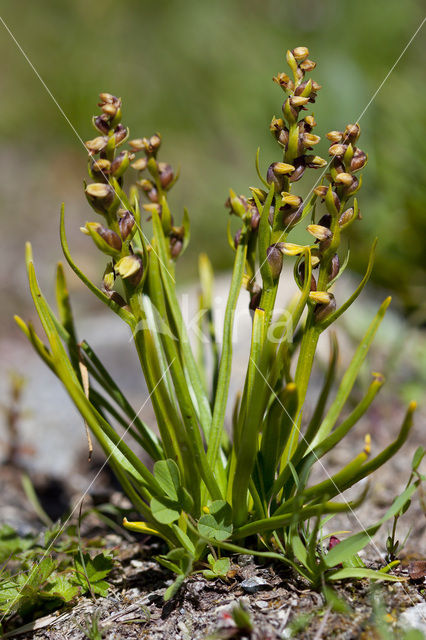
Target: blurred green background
[[200, 73]]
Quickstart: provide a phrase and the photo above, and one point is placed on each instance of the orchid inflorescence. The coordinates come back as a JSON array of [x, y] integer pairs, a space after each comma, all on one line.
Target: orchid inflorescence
[[213, 492]]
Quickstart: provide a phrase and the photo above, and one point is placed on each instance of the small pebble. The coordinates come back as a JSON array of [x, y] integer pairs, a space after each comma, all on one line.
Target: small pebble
[[261, 604], [137, 564], [254, 584], [414, 617]]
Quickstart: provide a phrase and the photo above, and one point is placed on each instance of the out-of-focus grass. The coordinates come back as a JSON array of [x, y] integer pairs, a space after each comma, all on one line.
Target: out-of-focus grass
[[200, 72]]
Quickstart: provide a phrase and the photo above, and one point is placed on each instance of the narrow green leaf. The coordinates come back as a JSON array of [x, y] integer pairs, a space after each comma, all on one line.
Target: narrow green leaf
[[360, 573], [354, 544], [167, 474], [350, 376], [124, 315]]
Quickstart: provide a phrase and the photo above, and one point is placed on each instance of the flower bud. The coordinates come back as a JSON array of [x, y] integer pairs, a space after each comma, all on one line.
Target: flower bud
[[359, 160], [140, 164], [308, 65], [310, 121], [353, 188], [100, 169], [153, 144], [290, 249], [176, 246], [298, 101], [138, 144], [320, 297], [335, 136], [344, 178], [276, 124], [96, 145], [337, 150], [102, 123], [275, 260], [322, 311], [108, 278], [255, 218], [126, 224], [299, 170], [107, 98], [300, 53], [282, 168], [321, 191], [238, 205], [283, 137], [106, 240], [284, 81], [352, 133], [109, 110], [165, 173], [346, 217], [176, 241], [309, 139], [315, 162], [291, 200], [130, 268], [334, 267], [120, 134], [276, 177], [259, 193], [301, 278], [276, 127], [120, 164], [319, 232], [145, 184], [255, 297], [100, 196]]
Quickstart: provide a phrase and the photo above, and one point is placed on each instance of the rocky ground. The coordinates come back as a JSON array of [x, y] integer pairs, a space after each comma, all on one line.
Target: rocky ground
[[51, 448]]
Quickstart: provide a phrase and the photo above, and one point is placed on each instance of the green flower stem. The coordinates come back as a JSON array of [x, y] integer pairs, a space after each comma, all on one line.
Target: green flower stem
[[267, 302], [168, 419], [188, 443], [188, 357], [256, 404], [290, 517], [195, 444], [220, 401], [279, 361]]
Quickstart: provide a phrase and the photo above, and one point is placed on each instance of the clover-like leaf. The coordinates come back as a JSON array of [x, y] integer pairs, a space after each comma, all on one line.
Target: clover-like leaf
[[218, 568], [217, 524], [164, 510]]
